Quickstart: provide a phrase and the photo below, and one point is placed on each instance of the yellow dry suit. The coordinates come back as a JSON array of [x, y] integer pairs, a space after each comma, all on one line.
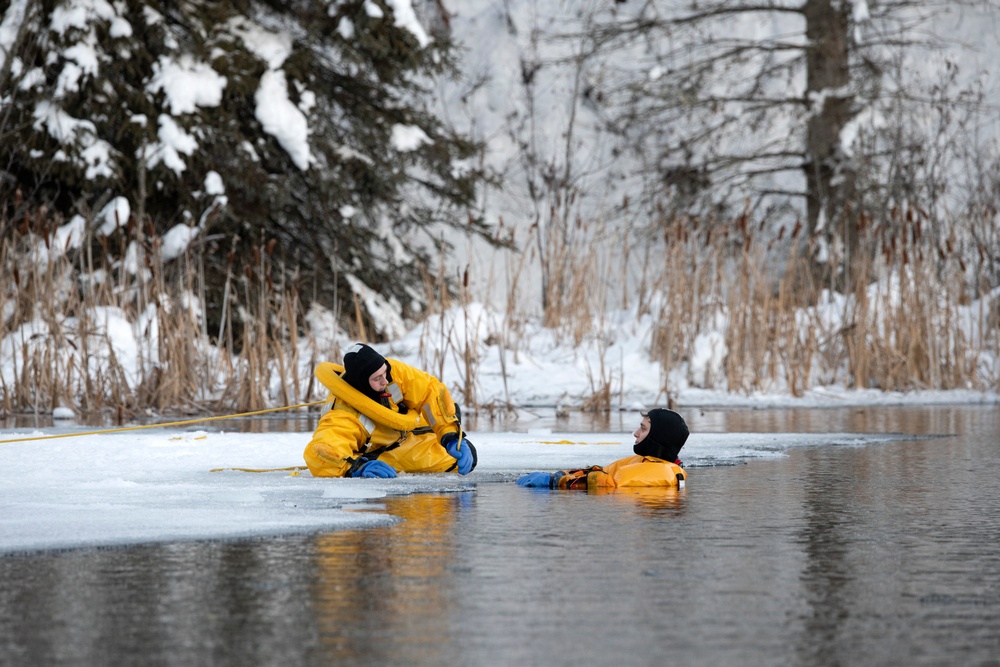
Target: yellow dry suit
[[631, 471], [406, 434]]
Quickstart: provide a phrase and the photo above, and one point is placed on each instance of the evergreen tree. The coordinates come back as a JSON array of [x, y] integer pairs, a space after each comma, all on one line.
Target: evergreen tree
[[299, 128]]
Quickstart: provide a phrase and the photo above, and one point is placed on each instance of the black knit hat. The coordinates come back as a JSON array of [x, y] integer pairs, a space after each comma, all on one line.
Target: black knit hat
[[667, 434], [360, 362]]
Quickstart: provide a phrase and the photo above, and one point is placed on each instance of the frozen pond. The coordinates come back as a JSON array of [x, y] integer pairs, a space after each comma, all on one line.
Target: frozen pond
[[810, 548]]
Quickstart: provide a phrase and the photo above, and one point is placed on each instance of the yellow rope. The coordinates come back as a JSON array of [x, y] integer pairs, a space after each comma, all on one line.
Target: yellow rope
[[164, 425], [295, 469]]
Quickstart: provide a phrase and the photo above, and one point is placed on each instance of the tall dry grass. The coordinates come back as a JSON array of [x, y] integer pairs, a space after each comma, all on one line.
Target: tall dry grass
[[904, 324], [59, 308]]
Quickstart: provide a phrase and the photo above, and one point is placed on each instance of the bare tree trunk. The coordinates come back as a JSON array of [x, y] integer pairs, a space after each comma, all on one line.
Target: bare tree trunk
[[829, 179]]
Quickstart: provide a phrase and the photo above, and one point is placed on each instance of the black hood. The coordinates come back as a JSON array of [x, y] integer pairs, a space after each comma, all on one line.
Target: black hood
[[667, 434], [360, 362]]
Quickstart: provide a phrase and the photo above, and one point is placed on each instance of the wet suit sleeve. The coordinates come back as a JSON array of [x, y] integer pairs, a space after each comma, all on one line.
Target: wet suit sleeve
[[426, 393], [336, 443], [584, 478]]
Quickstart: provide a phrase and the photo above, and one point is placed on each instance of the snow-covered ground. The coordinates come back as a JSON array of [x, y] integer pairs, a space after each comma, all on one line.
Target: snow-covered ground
[[543, 367]]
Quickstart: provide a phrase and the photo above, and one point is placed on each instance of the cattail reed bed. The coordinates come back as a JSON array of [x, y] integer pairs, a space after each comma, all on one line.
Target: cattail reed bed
[[913, 315]]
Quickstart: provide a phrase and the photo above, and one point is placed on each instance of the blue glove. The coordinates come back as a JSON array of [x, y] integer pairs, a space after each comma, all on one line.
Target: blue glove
[[465, 455], [371, 469], [536, 480]]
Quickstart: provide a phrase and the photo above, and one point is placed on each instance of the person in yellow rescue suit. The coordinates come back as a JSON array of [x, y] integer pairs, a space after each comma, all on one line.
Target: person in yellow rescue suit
[[658, 441], [385, 417]]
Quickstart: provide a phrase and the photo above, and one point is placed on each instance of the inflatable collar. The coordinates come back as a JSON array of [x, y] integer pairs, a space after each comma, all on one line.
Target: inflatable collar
[[329, 374]]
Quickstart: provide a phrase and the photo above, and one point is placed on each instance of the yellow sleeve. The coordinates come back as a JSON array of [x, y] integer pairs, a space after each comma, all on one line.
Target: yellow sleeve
[[585, 478], [338, 436], [422, 391]]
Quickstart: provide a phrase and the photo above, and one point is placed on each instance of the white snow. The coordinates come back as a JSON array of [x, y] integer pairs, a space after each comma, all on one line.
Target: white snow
[[174, 141], [187, 84], [68, 236], [271, 47], [96, 153], [385, 312], [345, 28], [13, 17], [176, 241], [859, 11], [277, 114], [407, 138], [214, 184], [406, 18], [114, 215], [79, 14], [281, 118]]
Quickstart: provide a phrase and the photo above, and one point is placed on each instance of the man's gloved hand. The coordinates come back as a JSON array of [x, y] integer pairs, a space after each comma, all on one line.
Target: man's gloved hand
[[462, 451], [536, 480], [372, 469]]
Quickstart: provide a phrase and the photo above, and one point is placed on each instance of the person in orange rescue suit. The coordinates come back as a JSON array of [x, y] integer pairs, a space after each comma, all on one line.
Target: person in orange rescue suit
[[658, 441], [385, 417]]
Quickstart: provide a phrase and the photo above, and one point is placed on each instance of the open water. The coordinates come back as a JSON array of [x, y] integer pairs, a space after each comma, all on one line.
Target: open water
[[881, 554]]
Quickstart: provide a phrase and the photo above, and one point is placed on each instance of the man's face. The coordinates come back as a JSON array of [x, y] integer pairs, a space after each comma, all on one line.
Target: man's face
[[379, 379], [643, 430]]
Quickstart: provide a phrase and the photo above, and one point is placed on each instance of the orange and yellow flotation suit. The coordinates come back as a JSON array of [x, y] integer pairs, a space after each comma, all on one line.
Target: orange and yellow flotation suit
[[406, 434], [631, 471]]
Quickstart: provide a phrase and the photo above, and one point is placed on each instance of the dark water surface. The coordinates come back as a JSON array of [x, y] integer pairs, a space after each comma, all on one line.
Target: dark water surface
[[884, 554]]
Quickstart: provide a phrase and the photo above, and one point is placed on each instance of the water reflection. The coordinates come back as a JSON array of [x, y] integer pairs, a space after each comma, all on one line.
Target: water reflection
[[825, 536], [855, 419], [918, 419], [883, 554], [652, 501], [387, 578]]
